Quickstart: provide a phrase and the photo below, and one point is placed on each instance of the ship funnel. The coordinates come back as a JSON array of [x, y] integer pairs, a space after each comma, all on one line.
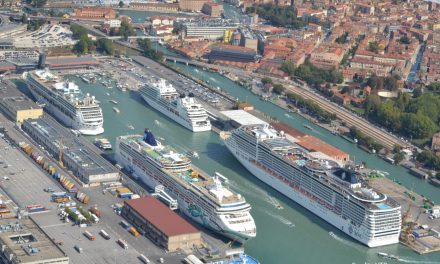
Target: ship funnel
[[149, 138]]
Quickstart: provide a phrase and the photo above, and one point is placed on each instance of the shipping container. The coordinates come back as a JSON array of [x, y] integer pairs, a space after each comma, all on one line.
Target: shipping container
[[125, 195], [89, 236], [123, 190], [133, 231], [61, 199], [86, 200], [104, 234]]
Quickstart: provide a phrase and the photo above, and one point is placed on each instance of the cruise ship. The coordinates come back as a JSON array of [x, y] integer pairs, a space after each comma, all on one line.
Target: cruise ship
[[334, 192], [65, 101], [199, 196], [183, 109]]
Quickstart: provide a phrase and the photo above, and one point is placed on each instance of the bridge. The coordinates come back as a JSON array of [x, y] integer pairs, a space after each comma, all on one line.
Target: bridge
[[137, 37]]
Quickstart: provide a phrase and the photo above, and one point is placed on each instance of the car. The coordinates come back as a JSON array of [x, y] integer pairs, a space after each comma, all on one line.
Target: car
[[78, 248]]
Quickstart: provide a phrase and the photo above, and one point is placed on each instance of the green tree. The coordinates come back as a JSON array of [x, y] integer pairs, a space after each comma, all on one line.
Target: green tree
[[417, 125], [78, 31], [121, 4], [83, 46], [435, 87], [278, 88], [372, 105], [288, 67], [405, 40], [279, 15], [373, 46], [266, 80], [105, 45], [398, 157], [126, 30], [390, 116]]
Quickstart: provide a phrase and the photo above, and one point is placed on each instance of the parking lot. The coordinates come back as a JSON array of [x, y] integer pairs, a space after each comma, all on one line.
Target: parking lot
[[48, 36], [24, 182]]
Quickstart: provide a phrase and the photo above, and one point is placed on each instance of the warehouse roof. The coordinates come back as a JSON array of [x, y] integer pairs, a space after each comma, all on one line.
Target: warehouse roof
[[242, 117], [167, 221]]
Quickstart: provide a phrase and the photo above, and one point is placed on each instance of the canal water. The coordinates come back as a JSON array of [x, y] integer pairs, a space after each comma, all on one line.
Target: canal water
[[289, 235]]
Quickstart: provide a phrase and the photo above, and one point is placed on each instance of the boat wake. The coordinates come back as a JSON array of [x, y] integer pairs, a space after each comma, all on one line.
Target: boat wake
[[157, 122], [281, 219], [340, 239], [417, 261], [255, 191], [274, 202], [287, 115]]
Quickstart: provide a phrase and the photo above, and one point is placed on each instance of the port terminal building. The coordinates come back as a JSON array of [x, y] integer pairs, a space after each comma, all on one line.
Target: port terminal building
[[77, 155], [22, 241], [159, 223], [16, 105]]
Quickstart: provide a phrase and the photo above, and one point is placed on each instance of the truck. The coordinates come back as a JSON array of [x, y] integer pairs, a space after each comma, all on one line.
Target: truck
[[63, 199], [89, 236], [78, 248], [104, 234], [144, 259], [122, 243], [125, 224], [133, 231], [94, 210]]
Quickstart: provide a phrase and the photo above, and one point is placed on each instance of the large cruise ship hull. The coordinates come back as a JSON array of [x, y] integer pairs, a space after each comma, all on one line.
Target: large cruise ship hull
[[360, 234], [213, 223], [174, 117], [92, 129]]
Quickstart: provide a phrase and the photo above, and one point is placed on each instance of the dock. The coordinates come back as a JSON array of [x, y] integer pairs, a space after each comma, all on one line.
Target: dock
[[419, 231]]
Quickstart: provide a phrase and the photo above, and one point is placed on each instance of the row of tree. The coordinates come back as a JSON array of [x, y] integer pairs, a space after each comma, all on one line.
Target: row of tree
[[413, 117], [87, 45], [148, 51], [312, 108]]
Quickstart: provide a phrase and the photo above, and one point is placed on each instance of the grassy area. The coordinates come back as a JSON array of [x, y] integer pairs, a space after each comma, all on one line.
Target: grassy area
[[358, 110]]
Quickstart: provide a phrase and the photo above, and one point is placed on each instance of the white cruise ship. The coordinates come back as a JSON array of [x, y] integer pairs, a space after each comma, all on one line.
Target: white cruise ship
[[185, 110], [199, 196], [336, 194], [65, 101]]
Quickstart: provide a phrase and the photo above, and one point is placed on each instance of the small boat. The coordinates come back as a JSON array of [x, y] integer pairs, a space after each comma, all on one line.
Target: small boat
[[352, 140], [193, 153], [131, 127], [107, 94], [389, 256], [103, 143], [116, 110], [156, 122], [113, 102], [308, 127]]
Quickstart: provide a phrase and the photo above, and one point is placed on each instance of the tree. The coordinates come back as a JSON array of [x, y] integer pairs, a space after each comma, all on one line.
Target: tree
[[266, 80], [373, 46], [417, 92], [279, 15], [105, 45], [372, 105], [390, 83], [435, 87], [288, 67], [398, 157], [148, 51], [121, 4], [397, 148], [78, 31], [126, 30], [417, 125], [278, 88], [405, 40]]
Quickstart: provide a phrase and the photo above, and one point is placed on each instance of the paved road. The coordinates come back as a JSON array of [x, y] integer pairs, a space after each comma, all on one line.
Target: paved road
[[351, 119]]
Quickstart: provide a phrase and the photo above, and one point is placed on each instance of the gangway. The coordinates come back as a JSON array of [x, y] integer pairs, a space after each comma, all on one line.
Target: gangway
[[159, 192]]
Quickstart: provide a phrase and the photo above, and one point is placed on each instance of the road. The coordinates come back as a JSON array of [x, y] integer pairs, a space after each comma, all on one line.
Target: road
[[380, 135]]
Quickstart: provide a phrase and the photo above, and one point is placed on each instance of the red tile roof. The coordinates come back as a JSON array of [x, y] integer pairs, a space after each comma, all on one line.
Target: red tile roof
[[168, 222]]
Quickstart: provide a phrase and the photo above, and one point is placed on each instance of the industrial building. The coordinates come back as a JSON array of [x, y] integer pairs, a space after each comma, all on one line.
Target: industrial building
[[161, 225], [23, 242], [238, 118], [207, 29], [77, 155], [232, 53], [16, 105]]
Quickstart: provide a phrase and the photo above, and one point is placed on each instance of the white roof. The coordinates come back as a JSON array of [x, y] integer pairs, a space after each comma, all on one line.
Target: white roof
[[242, 117]]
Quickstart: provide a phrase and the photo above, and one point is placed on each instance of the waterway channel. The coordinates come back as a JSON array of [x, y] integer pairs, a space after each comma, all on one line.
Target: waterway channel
[[290, 235]]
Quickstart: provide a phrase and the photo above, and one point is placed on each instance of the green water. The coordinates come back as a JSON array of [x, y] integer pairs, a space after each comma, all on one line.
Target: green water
[[290, 235]]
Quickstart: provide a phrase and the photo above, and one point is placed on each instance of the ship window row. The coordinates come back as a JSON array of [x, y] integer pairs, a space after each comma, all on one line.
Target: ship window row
[[240, 221]]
